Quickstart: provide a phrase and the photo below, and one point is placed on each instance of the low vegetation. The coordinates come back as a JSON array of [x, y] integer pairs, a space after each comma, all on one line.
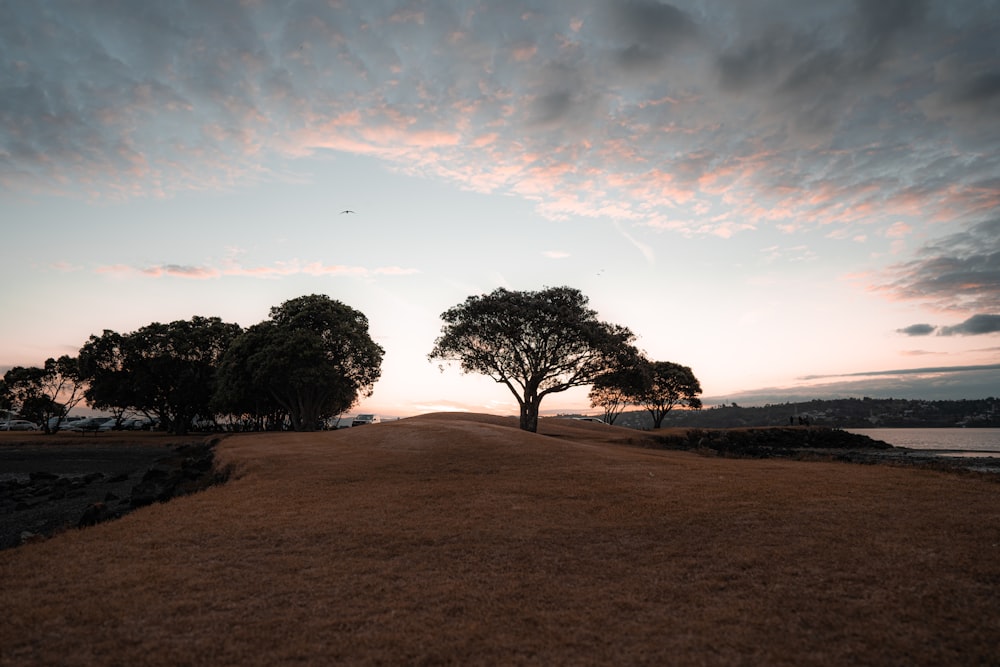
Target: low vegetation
[[458, 539]]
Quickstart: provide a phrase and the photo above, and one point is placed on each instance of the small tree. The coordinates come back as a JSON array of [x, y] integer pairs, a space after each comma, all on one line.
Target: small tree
[[664, 386], [612, 391], [42, 394], [535, 343]]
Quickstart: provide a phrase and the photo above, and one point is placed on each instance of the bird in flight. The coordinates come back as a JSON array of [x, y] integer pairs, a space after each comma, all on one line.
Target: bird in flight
[[346, 211]]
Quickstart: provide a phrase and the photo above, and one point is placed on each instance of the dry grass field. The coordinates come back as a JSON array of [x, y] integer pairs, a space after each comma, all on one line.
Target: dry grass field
[[457, 539]]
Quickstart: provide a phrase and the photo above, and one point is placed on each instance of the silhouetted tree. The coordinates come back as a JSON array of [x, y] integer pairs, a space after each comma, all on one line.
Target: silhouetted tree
[[665, 385], [242, 392], [102, 363], [535, 343], [41, 394], [164, 370], [314, 358], [612, 391]]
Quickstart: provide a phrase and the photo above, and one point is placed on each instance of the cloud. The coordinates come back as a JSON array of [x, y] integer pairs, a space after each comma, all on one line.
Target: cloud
[[702, 118], [936, 383], [233, 268], [974, 326], [935, 370], [918, 330], [556, 254], [960, 271]]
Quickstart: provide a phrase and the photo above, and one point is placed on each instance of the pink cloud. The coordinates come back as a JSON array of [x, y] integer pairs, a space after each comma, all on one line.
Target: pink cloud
[[232, 268]]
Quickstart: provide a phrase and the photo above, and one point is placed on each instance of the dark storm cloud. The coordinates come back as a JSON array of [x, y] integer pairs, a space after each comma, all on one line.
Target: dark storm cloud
[[918, 330], [960, 271]]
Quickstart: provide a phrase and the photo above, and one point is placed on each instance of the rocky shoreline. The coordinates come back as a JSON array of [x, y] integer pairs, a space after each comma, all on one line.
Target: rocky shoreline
[[48, 489]]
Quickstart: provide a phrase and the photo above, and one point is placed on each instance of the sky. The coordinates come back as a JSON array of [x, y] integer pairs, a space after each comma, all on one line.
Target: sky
[[797, 200]]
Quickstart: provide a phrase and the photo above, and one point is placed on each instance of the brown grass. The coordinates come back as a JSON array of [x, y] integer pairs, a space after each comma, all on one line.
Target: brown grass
[[449, 539]]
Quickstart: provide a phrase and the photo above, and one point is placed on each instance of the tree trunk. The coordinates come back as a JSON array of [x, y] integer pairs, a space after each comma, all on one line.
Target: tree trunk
[[529, 414]]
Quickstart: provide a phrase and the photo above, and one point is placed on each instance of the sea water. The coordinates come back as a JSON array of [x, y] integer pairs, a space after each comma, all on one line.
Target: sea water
[[954, 441]]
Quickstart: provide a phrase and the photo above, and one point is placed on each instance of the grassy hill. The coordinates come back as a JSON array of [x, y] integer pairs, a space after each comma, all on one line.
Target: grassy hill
[[458, 539]]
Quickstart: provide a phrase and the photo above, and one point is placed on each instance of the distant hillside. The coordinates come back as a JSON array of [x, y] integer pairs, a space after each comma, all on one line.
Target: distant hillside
[[841, 413]]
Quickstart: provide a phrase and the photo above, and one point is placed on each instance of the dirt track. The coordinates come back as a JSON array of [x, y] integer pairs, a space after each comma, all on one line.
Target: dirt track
[[456, 540]]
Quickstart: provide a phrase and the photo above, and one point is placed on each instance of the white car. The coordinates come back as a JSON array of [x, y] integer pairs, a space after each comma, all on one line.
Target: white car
[[18, 425], [361, 420], [65, 423]]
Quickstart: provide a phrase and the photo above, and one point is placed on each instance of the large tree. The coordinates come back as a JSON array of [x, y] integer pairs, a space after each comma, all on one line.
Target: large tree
[[666, 385], [535, 343], [241, 391], [314, 358], [103, 362]]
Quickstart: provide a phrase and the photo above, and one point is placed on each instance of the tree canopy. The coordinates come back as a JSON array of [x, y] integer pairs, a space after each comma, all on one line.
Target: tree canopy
[[311, 360], [165, 370], [534, 342]]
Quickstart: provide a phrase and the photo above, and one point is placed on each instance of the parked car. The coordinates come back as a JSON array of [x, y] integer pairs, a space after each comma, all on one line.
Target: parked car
[[65, 423], [361, 420], [110, 424], [18, 425], [91, 424]]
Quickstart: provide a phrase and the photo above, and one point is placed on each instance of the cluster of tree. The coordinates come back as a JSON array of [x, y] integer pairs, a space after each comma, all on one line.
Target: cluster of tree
[[655, 386], [545, 342], [312, 359]]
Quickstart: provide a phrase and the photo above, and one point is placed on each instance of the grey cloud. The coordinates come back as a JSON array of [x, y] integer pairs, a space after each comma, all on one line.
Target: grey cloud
[[980, 89], [918, 330], [974, 326], [881, 21], [933, 370], [552, 107], [646, 31], [200, 94], [960, 271], [817, 65], [650, 24], [939, 383]]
